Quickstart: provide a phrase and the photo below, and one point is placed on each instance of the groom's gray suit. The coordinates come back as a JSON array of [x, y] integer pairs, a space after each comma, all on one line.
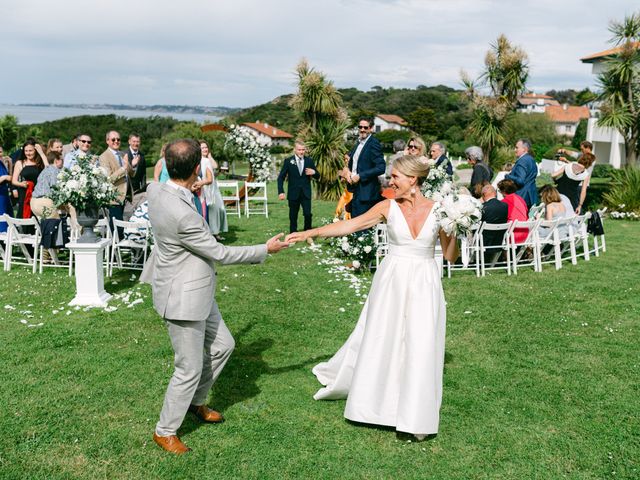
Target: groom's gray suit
[[183, 280]]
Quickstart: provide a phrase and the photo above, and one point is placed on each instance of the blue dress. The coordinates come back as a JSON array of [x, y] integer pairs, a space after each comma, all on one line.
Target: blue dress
[[5, 200]]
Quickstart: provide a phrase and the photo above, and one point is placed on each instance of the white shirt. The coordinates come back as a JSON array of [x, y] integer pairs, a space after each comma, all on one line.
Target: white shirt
[[185, 192], [356, 154]]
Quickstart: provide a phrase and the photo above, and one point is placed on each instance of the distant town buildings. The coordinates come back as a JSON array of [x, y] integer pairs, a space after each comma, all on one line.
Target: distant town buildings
[[535, 103], [383, 122], [565, 117], [268, 135]]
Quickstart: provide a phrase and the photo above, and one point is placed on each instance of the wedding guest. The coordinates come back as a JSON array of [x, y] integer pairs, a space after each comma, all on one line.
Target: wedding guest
[[437, 152], [585, 147], [506, 168], [365, 165], [183, 279], [572, 180], [524, 173], [216, 215], [41, 204], [5, 182], [25, 175], [138, 164], [517, 208], [390, 368], [84, 147], [481, 171], [160, 173], [554, 208], [493, 211], [298, 170], [73, 145], [416, 146], [54, 145], [118, 169]]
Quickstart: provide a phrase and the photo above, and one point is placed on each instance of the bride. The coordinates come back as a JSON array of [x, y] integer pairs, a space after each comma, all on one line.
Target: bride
[[390, 368]]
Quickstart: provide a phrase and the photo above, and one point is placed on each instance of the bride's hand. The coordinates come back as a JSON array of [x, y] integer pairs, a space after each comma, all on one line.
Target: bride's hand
[[296, 237]]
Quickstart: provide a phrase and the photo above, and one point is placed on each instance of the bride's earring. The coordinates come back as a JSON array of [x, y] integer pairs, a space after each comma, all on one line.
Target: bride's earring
[[413, 190]]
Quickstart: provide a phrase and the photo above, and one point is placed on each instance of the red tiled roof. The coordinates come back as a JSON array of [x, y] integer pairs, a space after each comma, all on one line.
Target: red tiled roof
[[268, 130], [389, 118], [533, 101], [605, 53], [569, 115]]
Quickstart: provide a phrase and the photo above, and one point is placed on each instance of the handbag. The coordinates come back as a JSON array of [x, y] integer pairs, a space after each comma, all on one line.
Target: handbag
[[594, 224]]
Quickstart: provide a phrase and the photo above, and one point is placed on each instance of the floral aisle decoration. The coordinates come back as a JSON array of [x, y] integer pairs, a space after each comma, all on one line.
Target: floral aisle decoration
[[255, 150], [358, 248], [438, 183]]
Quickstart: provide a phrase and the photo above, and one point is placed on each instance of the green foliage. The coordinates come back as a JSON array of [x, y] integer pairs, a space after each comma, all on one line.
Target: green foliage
[[387, 137], [564, 96], [277, 112], [502, 156], [9, 132], [534, 126], [424, 121], [324, 124], [551, 152], [602, 170], [581, 134], [506, 70], [279, 149], [585, 96], [625, 190]]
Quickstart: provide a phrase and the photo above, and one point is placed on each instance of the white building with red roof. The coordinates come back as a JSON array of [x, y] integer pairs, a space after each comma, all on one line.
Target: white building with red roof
[[383, 122], [535, 103], [268, 135], [566, 117]]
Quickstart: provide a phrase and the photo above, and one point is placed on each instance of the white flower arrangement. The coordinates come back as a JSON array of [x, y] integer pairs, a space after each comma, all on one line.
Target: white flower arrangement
[[359, 248], [83, 185], [458, 214], [255, 150], [621, 214]]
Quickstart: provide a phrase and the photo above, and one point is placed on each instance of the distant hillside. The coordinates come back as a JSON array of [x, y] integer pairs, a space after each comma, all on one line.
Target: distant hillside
[[435, 112]]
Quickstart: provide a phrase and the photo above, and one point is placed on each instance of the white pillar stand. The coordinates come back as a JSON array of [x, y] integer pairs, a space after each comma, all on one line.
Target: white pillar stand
[[89, 277]]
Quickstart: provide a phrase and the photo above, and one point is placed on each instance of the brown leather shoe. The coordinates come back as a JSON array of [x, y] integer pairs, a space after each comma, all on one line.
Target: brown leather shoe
[[171, 444], [205, 414]]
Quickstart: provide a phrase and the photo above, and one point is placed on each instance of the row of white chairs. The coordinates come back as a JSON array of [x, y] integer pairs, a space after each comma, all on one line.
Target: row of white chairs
[[255, 198], [15, 238], [547, 241]]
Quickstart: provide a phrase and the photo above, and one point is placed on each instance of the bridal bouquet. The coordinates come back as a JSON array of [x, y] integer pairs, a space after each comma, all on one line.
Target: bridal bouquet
[[458, 214], [438, 183], [84, 185]]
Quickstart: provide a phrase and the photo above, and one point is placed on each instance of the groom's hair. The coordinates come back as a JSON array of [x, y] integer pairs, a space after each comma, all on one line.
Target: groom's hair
[[182, 157]]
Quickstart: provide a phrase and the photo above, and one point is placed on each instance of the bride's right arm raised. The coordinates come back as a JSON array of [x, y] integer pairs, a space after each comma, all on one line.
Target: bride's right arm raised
[[378, 213]]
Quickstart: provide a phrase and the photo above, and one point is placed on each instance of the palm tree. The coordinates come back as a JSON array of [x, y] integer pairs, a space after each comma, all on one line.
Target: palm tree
[[505, 74], [323, 127], [620, 85]]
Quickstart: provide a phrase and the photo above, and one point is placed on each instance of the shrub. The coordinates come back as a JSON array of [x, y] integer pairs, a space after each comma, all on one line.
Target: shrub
[[625, 194], [550, 152], [463, 166], [387, 137], [276, 149], [603, 170]]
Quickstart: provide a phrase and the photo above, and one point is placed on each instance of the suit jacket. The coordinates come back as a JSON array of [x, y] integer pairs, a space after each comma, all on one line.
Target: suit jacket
[[182, 274], [117, 174], [371, 165], [524, 174], [494, 211], [443, 158], [299, 185], [139, 175]]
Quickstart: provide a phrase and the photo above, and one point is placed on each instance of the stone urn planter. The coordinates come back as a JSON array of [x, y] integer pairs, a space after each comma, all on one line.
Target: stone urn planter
[[88, 219]]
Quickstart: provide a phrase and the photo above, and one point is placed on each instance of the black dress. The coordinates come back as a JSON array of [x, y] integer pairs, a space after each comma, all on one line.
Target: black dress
[[28, 173], [570, 188]]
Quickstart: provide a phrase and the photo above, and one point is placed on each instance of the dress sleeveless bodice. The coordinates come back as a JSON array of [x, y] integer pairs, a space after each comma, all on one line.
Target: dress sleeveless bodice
[[401, 243]]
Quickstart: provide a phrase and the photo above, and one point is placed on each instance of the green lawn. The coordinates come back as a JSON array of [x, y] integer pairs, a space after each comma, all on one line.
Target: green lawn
[[541, 377]]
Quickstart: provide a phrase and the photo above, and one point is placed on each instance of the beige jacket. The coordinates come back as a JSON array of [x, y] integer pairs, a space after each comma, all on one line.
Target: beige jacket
[[117, 174], [182, 268]]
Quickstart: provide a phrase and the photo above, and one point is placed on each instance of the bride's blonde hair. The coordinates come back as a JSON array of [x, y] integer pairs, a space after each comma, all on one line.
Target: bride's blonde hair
[[413, 166]]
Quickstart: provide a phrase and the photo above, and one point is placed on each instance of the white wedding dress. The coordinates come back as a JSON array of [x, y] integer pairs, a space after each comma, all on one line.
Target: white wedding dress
[[390, 368]]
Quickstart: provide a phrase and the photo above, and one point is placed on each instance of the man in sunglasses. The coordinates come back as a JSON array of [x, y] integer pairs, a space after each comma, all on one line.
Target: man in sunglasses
[[84, 145], [366, 163], [118, 169]]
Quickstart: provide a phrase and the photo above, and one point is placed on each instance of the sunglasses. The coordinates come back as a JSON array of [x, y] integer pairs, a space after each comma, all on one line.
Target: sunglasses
[[360, 127], [114, 139], [413, 146], [86, 141]]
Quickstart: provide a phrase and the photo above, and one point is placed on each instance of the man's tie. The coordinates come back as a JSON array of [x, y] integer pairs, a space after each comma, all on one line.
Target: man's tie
[[300, 165], [119, 158]]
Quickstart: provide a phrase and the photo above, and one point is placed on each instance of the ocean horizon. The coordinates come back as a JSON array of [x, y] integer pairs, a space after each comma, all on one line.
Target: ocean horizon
[[30, 114]]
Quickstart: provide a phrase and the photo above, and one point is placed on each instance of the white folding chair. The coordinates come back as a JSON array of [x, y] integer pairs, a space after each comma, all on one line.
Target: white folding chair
[[138, 245], [56, 261], [548, 237], [256, 192], [580, 234], [230, 191], [15, 237], [3, 238], [518, 249], [494, 252], [381, 240], [535, 210], [469, 248]]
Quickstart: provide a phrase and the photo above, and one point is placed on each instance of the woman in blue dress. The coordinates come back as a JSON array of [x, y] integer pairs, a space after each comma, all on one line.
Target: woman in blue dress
[[5, 200]]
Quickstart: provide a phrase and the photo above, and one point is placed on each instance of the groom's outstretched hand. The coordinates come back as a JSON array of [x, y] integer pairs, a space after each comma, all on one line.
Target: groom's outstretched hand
[[296, 237], [274, 245]]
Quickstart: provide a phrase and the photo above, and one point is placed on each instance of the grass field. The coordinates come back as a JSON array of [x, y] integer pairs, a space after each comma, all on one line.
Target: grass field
[[541, 378]]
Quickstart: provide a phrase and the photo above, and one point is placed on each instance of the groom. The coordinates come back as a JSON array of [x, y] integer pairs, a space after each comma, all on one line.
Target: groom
[[183, 281]]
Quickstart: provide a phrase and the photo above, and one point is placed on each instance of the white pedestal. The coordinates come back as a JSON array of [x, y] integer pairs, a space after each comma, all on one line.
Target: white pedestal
[[89, 276]]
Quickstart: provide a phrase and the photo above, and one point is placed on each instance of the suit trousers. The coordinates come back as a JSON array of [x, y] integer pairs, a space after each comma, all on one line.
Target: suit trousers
[[201, 352], [294, 208]]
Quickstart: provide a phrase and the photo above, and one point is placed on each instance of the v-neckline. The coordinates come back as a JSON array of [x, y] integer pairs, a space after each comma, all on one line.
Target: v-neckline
[[426, 219]]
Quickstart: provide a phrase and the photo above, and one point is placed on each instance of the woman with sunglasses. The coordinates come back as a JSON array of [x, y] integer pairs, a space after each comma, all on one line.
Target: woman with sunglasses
[[415, 146]]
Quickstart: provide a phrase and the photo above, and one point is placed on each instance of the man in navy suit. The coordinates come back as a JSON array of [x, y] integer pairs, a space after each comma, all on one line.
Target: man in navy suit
[[299, 169], [437, 153], [524, 173], [366, 163]]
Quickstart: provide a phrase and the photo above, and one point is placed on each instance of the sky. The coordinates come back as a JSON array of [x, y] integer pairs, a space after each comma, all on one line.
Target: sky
[[239, 53]]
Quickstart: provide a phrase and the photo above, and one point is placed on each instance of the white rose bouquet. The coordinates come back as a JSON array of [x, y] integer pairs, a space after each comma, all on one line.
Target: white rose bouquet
[[458, 214]]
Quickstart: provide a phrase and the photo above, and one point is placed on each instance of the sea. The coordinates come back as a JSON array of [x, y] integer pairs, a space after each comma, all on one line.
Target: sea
[[28, 114]]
